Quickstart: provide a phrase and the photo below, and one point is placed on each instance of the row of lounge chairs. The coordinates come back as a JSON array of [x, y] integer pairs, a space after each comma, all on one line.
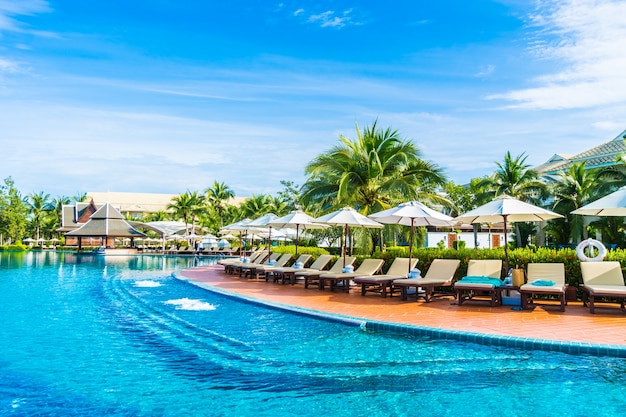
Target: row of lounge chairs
[[602, 281]]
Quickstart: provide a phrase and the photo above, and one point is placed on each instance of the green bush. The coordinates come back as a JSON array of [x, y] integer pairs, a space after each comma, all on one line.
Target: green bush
[[16, 247]]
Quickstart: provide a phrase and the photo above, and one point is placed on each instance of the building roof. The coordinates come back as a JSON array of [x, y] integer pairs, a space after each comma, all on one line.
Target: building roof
[[107, 221], [142, 202], [599, 156]]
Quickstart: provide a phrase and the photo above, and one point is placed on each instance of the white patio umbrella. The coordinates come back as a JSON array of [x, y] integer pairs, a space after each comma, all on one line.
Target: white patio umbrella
[[412, 213], [347, 217], [261, 223], [241, 226], [298, 219], [613, 204], [506, 209]]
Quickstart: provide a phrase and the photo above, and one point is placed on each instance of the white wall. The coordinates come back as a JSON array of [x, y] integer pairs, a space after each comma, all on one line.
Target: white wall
[[484, 239]]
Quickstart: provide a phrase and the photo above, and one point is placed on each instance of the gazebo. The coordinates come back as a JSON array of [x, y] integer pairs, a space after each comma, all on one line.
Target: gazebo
[[105, 224]]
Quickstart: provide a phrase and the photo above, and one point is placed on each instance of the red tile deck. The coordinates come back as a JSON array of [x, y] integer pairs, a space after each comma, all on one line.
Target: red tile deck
[[576, 324]]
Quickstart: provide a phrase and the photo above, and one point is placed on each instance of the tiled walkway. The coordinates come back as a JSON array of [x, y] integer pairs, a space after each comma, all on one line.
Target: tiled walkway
[[576, 324]]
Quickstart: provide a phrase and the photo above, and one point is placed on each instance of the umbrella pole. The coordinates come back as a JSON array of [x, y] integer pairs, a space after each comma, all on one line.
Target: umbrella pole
[[411, 242], [297, 227], [345, 244], [506, 247]]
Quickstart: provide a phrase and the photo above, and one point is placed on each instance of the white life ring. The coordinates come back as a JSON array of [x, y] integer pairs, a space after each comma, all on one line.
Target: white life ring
[[591, 243]]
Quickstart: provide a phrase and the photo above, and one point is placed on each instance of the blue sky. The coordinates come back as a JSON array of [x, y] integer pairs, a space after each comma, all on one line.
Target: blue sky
[[167, 96]]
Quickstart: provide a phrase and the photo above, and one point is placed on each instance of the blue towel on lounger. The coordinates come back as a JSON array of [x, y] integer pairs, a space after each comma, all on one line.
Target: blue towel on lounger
[[496, 282], [543, 283]]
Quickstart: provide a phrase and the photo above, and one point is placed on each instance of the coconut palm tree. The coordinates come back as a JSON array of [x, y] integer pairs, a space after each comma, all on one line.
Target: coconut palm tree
[[38, 205], [371, 173], [187, 206], [217, 196], [515, 178], [578, 186]]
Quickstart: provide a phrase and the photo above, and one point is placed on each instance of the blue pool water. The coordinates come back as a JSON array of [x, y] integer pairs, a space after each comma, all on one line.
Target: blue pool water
[[118, 336]]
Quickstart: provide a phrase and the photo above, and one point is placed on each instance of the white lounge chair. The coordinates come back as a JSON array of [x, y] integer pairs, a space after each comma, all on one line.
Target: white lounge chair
[[602, 280], [381, 283], [440, 274], [544, 279], [482, 280], [367, 267]]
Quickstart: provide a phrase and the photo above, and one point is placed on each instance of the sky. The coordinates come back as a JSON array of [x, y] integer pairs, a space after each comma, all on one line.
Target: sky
[[168, 96]]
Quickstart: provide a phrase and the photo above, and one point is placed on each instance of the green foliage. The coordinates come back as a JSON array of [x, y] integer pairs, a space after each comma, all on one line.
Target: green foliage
[[18, 247], [458, 244], [315, 251]]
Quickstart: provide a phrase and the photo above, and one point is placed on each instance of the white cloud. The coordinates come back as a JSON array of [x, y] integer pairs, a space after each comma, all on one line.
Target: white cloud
[[485, 71], [331, 18], [586, 39], [11, 8]]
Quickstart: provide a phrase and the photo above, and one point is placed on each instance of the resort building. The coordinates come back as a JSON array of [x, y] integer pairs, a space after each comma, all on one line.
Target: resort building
[[604, 155]]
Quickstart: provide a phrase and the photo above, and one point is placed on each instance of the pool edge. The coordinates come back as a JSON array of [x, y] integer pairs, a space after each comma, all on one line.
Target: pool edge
[[573, 348]]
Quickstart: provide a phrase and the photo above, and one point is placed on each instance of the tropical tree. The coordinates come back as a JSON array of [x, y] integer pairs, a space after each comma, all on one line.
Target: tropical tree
[[257, 205], [217, 197], [371, 173], [38, 205], [80, 197], [515, 178], [576, 187], [57, 204], [13, 212], [187, 206]]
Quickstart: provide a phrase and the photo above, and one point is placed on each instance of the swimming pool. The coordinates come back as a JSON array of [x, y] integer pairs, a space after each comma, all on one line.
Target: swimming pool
[[119, 336]]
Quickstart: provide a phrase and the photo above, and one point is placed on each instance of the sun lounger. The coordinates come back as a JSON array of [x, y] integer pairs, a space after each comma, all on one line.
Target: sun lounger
[[248, 269], [233, 265], [313, 277], [544, 279], [289, 273], [440, 274], [261, 271], [240, 267], [381, 283], [367, 267], [277, 272], [602, 280], [482, 280]]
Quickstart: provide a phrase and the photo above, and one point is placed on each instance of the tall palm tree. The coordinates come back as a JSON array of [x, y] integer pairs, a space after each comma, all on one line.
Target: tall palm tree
[[371, 173], [187, 206], [217, 195], [57, 204], [576, 187], [255, 206], [515, 178], [38, 205], [80, 197]]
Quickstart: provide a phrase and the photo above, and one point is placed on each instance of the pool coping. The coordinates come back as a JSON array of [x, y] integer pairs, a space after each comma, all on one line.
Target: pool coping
[[525, 343]]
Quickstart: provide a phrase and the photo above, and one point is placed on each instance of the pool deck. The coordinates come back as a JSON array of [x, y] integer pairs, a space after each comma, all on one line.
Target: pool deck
[[576, 324]]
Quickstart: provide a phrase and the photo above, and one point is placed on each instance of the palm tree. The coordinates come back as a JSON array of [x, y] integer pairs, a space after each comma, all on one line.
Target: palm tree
[[57, 204], [255, 206], [217, 195], [372, 173], [187, 206], [576, 187], [80, 197], [38, 204], [515, 178]]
